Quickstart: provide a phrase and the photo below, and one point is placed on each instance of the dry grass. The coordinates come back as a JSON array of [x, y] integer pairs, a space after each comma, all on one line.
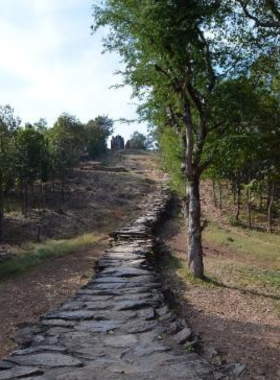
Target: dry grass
[[40, 253], [236, 310]]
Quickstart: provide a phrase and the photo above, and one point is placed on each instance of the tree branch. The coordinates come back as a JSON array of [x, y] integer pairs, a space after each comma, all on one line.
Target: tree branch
[[265, 24]]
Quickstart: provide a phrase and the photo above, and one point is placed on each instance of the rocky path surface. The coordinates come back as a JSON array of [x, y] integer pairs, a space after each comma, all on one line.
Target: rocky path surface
[[117, 327]]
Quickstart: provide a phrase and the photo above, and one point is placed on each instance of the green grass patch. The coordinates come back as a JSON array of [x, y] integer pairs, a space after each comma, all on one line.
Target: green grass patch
[[267, 279], [175, 264], [40, 253], [252, 245]]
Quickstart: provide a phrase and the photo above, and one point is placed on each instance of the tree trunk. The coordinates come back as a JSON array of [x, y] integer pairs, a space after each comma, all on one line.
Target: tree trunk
[[220, 195], [25, 200], [249, 208], [234, 192], [62, 189], [195, 253], [238, 193], [271, 191], [214, 193], [22, 201], [1, 210], [192, 173], [31, 198], [42, 196], [185, 207], [238, 198]]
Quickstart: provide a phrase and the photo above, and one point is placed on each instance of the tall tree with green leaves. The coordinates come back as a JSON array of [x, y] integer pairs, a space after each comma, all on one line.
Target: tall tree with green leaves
[[28, 145], [174, 57], [66, 144], [139, 141], [97, 132], [8, 125]]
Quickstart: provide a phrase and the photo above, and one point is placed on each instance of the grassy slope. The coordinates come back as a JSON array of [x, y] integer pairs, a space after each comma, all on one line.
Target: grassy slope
[[115, 199], [40, 253], [253, 258]]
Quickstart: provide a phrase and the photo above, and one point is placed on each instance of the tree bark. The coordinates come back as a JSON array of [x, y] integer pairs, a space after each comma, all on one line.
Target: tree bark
[[220, 195], [214, 192], [238, 198], [26, 206], [42, 196], [271, 191], [1, 210], [249, 208], [238, 203], [195, 252]]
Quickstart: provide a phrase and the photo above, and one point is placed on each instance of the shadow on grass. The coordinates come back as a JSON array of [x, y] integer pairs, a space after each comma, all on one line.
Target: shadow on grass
[[240, 339], [173, 263], [220, 284]]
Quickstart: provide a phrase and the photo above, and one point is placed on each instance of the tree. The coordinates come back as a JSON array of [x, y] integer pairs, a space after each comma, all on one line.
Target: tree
[[28, 147], [97, 134], [66, 144], [264, 13], [247, 155], [139, 141], [8, 125], [174, 59]]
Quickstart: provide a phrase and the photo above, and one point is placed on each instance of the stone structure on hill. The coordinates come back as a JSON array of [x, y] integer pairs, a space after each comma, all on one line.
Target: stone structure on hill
[[117, 143]]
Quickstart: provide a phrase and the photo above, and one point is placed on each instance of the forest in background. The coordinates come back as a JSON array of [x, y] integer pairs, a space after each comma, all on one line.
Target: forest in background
[[35, 157]]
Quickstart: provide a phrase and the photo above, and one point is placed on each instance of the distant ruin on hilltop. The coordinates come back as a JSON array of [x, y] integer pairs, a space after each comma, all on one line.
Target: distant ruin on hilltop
[[117, 143]]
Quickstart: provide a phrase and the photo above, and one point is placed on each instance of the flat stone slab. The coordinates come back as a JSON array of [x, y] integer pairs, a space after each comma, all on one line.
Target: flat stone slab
[[57, 322], [19, 372], [124, 280], [71, 315], [124, 271], [46, 360], [121, 340], [135, 304], [140, 327], [98, 327], [183, 336], [32, 350]]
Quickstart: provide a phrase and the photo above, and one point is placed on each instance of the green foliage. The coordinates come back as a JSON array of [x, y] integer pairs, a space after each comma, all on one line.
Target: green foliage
[[28, 143], [185, 61], [66, 142], [171, 154], [139, 141], [31, 155], [97, 134]]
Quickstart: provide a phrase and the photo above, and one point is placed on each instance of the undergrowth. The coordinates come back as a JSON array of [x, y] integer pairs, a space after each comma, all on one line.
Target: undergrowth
[[39, 253]]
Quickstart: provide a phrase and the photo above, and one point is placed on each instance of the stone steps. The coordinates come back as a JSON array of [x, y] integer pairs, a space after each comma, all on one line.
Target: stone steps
[[116, 327]]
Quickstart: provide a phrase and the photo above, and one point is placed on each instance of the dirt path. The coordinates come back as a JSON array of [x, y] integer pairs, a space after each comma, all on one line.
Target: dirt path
[[117, 327]]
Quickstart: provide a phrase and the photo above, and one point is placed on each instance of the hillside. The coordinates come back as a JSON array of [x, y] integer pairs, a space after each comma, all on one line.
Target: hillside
[[99, 197], [235, 312]]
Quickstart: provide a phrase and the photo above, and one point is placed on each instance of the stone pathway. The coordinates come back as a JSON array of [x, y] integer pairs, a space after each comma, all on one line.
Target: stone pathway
[[117, 327]]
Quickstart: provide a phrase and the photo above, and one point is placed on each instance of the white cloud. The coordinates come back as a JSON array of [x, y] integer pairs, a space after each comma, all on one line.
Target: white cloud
[[53, 64]]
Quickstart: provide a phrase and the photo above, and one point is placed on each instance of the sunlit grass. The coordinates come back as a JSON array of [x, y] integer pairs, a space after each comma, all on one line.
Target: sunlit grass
[[252, 245], [40, 253]]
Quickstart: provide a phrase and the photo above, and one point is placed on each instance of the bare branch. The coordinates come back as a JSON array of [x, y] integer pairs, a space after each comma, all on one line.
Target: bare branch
[[258, 22]]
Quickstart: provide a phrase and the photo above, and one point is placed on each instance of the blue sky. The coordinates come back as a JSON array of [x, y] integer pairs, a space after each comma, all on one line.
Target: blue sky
[[50, 63]]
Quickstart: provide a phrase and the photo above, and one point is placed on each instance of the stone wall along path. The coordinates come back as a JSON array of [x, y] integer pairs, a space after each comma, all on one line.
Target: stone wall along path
[[116, 327]]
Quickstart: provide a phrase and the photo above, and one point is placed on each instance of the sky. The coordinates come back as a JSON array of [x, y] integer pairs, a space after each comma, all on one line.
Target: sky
[[51, 63]]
